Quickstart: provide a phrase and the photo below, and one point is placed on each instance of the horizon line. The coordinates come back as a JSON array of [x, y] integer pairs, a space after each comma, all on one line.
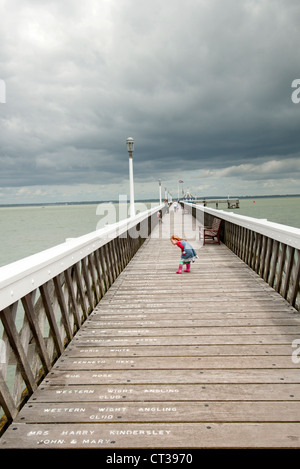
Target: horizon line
[[83, 202]]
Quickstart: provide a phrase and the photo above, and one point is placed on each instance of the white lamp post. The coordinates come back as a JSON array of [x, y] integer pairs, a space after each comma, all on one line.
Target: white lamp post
[[159, 181], [130, 148]]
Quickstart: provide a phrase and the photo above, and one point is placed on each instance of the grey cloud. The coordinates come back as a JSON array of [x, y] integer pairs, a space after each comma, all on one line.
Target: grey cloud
[[199, 85], [272, 169]]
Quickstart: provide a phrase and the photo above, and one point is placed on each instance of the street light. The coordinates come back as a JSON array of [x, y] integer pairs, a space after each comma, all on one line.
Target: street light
[[159, 182], [130, 148], [179, 182]]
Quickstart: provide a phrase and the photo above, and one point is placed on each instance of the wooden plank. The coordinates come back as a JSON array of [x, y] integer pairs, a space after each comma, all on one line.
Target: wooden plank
[[182, 331], [137, 296], [144, 318], [150, 435], [75, 377], [200, 305], [180, 350], [223, 308], [170, 363], [220, 339], [156, 412], [179, 322], [167, 392]]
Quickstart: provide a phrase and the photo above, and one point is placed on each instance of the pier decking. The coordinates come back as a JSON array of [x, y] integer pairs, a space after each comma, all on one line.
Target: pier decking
[[197, 360]]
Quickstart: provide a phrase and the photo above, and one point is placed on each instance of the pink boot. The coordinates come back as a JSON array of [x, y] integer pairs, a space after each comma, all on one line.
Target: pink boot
[[188, 268], [179, 269]]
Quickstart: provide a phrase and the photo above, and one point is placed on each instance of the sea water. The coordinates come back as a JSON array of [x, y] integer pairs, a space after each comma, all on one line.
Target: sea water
[[26, 230], [284, 210]]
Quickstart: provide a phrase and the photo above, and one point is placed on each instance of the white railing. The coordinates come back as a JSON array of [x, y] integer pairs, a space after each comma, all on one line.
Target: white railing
[[45, 298], [21, 277], [270, 249]]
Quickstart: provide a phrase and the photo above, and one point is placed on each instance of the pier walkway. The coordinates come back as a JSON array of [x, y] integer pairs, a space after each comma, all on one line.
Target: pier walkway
[[198, 360]]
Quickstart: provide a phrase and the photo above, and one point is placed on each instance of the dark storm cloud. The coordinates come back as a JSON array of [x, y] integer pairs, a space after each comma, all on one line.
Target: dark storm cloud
[[199, 84]]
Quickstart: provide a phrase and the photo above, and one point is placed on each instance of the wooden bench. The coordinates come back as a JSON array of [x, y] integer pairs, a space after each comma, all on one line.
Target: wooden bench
[[211, 232]]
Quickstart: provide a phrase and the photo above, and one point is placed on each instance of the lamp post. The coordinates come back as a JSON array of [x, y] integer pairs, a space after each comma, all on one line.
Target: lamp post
[[130, 148], [159, 182], [179, 182]]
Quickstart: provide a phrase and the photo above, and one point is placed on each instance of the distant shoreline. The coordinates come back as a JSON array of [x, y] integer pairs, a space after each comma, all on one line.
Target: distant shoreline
[[48, 204]]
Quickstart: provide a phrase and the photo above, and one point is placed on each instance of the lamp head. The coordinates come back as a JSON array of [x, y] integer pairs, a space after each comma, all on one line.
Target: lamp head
[[130, 144]]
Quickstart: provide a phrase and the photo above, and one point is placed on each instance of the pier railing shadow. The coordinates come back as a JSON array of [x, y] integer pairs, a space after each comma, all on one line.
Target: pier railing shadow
[[272, 250], [45, 299]]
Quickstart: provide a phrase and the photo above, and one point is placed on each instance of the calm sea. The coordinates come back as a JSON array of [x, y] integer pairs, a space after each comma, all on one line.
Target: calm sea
[[27, 230]]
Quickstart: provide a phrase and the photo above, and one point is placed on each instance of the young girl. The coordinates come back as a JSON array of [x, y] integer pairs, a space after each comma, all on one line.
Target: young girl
[[188, 254]]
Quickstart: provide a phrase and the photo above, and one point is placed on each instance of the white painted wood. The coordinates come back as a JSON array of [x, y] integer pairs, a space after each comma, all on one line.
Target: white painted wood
[[23, 276], [283, 233]]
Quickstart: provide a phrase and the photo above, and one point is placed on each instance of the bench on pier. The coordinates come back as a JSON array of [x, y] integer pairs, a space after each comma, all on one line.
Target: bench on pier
[[211, 232]]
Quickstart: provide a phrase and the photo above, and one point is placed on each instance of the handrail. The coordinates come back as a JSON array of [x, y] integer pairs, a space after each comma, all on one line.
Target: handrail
[[45, 298], [272, 250], [21, 277], [286, 234]]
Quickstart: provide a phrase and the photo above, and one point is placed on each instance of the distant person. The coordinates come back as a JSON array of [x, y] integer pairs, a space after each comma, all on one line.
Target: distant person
[[166, 205], [159, 215], [188, 253]]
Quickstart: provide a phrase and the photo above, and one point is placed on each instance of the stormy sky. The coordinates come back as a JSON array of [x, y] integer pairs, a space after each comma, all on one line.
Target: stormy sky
[[203, 86]]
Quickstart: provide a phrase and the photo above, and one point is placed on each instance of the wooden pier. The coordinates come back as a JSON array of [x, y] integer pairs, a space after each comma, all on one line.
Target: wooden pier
[[205, 359]]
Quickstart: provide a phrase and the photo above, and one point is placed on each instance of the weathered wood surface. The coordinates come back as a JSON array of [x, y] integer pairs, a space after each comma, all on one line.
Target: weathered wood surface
[[274, 256], [199, 360]]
